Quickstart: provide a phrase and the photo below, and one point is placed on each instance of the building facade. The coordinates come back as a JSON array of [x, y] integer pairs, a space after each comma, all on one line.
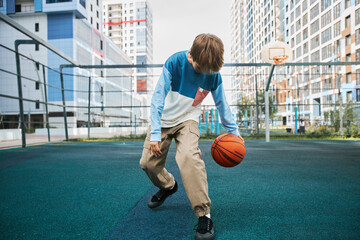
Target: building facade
[[73, 27], [317, 31], [128, 23], [322, 31]]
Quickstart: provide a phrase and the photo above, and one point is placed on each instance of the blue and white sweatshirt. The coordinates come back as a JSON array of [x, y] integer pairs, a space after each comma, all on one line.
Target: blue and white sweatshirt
[[179, 93]]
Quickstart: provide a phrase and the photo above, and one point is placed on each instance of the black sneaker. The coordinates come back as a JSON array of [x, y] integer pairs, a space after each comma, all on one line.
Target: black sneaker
[[205, 229], [160, 196]]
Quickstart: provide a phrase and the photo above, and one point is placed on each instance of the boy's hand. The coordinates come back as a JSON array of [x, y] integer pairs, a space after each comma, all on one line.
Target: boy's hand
[[155, 148], [241, 138]]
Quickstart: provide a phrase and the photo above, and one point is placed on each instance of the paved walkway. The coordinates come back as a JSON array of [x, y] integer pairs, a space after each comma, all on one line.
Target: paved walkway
[[32, 139]]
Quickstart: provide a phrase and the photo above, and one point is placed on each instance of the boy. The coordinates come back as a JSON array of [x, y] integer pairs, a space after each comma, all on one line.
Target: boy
[[186, 79]]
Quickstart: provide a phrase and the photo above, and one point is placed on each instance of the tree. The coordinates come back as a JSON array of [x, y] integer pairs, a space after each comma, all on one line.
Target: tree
[[272, 107], [243, 104]]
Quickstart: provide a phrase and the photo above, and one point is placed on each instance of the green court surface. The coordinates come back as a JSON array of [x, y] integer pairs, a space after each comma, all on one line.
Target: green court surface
[[97, 190]]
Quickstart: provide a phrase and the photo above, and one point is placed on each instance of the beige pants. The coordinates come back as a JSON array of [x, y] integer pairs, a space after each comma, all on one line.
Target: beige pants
[[188, 158]]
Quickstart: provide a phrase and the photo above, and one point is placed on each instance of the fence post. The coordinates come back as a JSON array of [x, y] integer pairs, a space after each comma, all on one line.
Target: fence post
[[89, 99], [267, 116], [21, 104], [257, 107], [296, 120], [46, 104], [245, 120], [64, 106], [212, 120], [207, 121], [200, 124], [217, 122], [341, 115], [135, 125]]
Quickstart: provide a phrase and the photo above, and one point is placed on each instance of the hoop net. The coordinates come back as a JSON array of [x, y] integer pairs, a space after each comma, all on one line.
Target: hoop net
[[280, 58]]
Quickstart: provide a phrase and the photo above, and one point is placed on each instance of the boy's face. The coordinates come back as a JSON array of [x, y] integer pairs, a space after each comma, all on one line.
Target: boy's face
[[195, 65]]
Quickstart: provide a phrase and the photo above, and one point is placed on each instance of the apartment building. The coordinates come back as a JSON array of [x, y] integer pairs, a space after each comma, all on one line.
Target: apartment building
[[254, 24], [322, 31], [317, 31], [73, 27], [128, 23]]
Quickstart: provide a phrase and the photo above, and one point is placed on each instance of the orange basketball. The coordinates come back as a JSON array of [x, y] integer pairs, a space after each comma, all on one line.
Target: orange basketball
[[228, 150]]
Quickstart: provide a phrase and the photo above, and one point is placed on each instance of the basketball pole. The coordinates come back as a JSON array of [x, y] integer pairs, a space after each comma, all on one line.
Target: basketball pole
[[267, 116], [267, 132]]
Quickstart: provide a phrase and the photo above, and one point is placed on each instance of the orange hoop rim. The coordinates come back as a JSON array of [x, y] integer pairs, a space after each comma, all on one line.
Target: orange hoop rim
[[280, 58]]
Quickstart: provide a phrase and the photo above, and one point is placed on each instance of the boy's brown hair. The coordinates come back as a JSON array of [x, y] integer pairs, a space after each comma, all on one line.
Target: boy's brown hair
[[208, 51]]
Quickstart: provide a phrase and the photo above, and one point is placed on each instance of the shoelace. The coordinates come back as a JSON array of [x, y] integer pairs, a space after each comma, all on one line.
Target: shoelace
[[204, 225]]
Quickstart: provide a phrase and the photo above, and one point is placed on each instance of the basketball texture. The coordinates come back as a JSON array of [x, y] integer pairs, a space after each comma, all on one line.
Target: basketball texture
[[228, 150]]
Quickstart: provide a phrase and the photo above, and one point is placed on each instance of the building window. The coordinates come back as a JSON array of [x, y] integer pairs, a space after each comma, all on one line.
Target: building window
[[348, 77], [97, 2], [349, 96], [325, 4], [357, 16], [326, 18], [326, 52], [314, 12], [304, 5], [326, 35], [337, 30], [358, 95], [314, 27], [357, 36], [348, 40], [298, 11], [305, 19], [348, 57], [57, 1], [347, 3], [97, 26], [1, 3], [305, 48], [337, 48], [315, 57], [305, 33], [37, 47], [347, 21], [36, 27], [315, 42], [37, 104], [358, 77], [357, 55], [91, 20], [91, 7], [298, 52], [37, 85]]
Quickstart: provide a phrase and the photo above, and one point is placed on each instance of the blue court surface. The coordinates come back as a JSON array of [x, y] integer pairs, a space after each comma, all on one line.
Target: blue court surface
[[97, 190]]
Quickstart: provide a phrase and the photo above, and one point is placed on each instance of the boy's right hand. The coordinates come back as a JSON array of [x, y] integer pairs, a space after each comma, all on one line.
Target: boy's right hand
[[155, 148]]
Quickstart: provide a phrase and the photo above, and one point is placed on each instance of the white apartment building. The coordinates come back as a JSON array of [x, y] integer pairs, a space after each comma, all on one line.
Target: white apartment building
[[254, 24], [322, 31], [317, 31], [128, 23]]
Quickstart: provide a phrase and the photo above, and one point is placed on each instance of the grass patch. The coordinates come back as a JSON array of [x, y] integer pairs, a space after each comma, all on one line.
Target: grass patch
[[212, 137]]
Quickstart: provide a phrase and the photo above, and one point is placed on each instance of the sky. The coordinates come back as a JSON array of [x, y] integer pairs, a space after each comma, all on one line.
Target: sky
[[176, 23]]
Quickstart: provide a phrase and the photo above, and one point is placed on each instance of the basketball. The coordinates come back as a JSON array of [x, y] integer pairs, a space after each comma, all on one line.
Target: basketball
[[228, 150]]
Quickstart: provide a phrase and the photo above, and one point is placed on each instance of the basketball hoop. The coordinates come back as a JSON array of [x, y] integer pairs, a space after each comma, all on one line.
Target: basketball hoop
[[276, 52], [280, 59]]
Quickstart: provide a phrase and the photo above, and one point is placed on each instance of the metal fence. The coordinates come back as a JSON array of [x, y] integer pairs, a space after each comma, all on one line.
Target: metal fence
[[318, 98]]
